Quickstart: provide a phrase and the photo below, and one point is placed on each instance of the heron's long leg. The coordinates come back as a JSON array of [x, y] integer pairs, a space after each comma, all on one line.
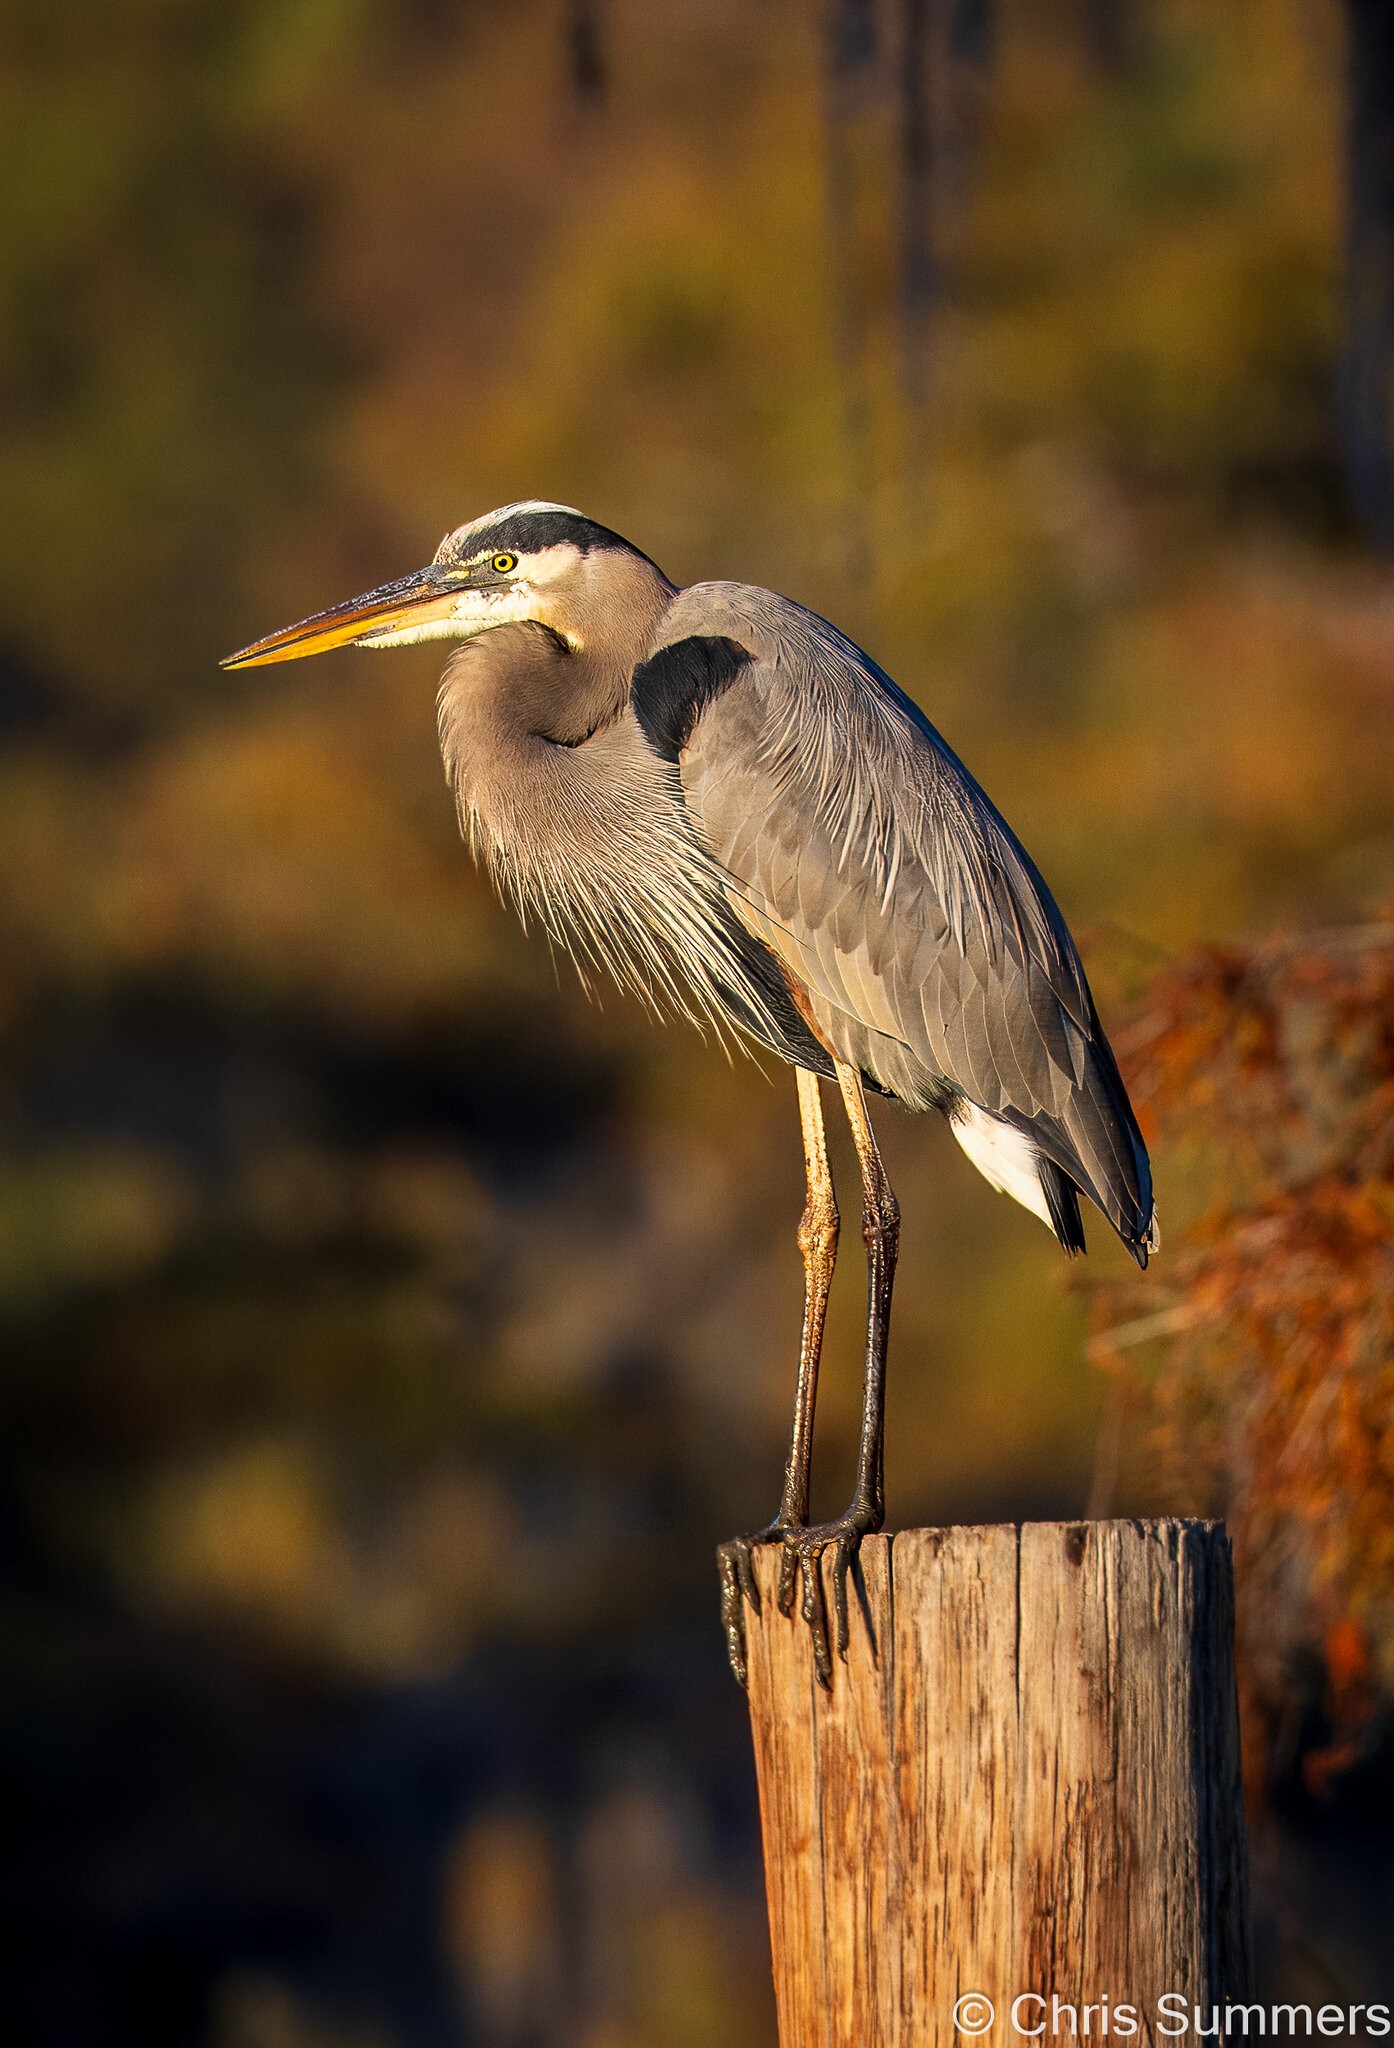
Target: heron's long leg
[[818, 1233], [803, 1549], [881, 1229]]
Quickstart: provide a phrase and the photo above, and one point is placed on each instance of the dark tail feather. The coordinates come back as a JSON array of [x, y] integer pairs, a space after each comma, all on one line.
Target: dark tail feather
[[1062, 1200]]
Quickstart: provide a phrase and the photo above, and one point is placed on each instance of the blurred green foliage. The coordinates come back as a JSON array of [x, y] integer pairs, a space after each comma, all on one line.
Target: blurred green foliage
[[375, 1310]]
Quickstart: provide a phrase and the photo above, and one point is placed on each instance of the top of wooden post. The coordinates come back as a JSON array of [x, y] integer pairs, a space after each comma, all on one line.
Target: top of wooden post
[[1023, 1783]]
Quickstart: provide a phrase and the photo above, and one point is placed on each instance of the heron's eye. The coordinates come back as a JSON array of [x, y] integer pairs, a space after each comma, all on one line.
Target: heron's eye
[[504, 565]]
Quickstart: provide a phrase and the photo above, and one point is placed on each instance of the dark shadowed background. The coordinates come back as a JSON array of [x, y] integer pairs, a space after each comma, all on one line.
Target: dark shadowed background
[[389, 1335]]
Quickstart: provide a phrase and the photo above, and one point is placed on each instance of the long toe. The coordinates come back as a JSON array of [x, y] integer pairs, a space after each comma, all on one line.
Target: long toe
[[802, 1564], [735, 1563]]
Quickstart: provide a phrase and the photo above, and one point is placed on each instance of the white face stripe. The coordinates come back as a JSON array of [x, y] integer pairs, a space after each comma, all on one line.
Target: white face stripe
[[546, 565], [492, 604]]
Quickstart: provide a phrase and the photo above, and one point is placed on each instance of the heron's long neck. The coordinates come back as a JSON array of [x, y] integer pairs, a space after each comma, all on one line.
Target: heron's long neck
[[521, 708], [581, 822]]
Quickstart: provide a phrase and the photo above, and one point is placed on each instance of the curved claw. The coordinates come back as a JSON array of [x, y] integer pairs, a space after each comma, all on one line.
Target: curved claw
[[788, 1576], [800, 1570], [815, 1614], [733, 1563], [847, 1547], [736, 1563]]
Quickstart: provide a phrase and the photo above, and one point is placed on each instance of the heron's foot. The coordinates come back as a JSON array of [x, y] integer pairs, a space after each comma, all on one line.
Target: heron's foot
[[801, 1566], [735, 1563]]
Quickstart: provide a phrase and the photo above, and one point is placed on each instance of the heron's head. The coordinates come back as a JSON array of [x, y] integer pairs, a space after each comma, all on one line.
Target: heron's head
[[537, 564]]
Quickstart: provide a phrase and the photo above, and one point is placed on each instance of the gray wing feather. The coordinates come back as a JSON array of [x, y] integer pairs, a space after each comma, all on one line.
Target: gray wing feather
[[887, 882]]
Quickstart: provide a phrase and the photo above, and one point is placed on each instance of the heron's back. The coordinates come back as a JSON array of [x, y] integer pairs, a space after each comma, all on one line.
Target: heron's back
[[924, 943]]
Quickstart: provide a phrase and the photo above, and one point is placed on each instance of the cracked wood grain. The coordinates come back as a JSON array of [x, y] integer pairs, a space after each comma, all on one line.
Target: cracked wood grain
[[1026, 1778]]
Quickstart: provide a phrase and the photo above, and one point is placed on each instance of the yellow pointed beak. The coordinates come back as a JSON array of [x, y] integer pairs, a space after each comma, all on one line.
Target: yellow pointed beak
[[419, 599]]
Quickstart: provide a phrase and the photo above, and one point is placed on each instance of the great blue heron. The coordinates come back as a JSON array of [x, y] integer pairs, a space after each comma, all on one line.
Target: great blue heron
[[715, 796]]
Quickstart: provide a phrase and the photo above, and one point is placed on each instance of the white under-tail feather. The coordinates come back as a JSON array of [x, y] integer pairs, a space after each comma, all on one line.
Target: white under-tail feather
[[1005, 1158]]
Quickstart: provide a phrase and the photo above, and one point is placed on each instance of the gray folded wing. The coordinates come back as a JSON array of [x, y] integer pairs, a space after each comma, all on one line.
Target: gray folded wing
[[860, 850]]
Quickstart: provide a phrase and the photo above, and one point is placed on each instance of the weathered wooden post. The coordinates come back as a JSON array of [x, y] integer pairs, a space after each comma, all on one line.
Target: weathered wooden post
[[1023, 1787]]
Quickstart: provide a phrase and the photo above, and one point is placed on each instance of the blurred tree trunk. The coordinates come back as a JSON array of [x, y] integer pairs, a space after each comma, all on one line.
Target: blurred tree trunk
[[851, 74], [585, 46], [972, 34], [918, 268], [945, 51], [1115, 34], [1367, 365], [921, 70]]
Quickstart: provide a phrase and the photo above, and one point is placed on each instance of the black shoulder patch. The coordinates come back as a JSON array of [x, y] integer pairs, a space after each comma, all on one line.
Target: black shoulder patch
[[672, 688]]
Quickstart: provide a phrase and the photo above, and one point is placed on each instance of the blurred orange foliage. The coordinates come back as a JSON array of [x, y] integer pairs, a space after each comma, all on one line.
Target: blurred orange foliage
[[1271, 1323]]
